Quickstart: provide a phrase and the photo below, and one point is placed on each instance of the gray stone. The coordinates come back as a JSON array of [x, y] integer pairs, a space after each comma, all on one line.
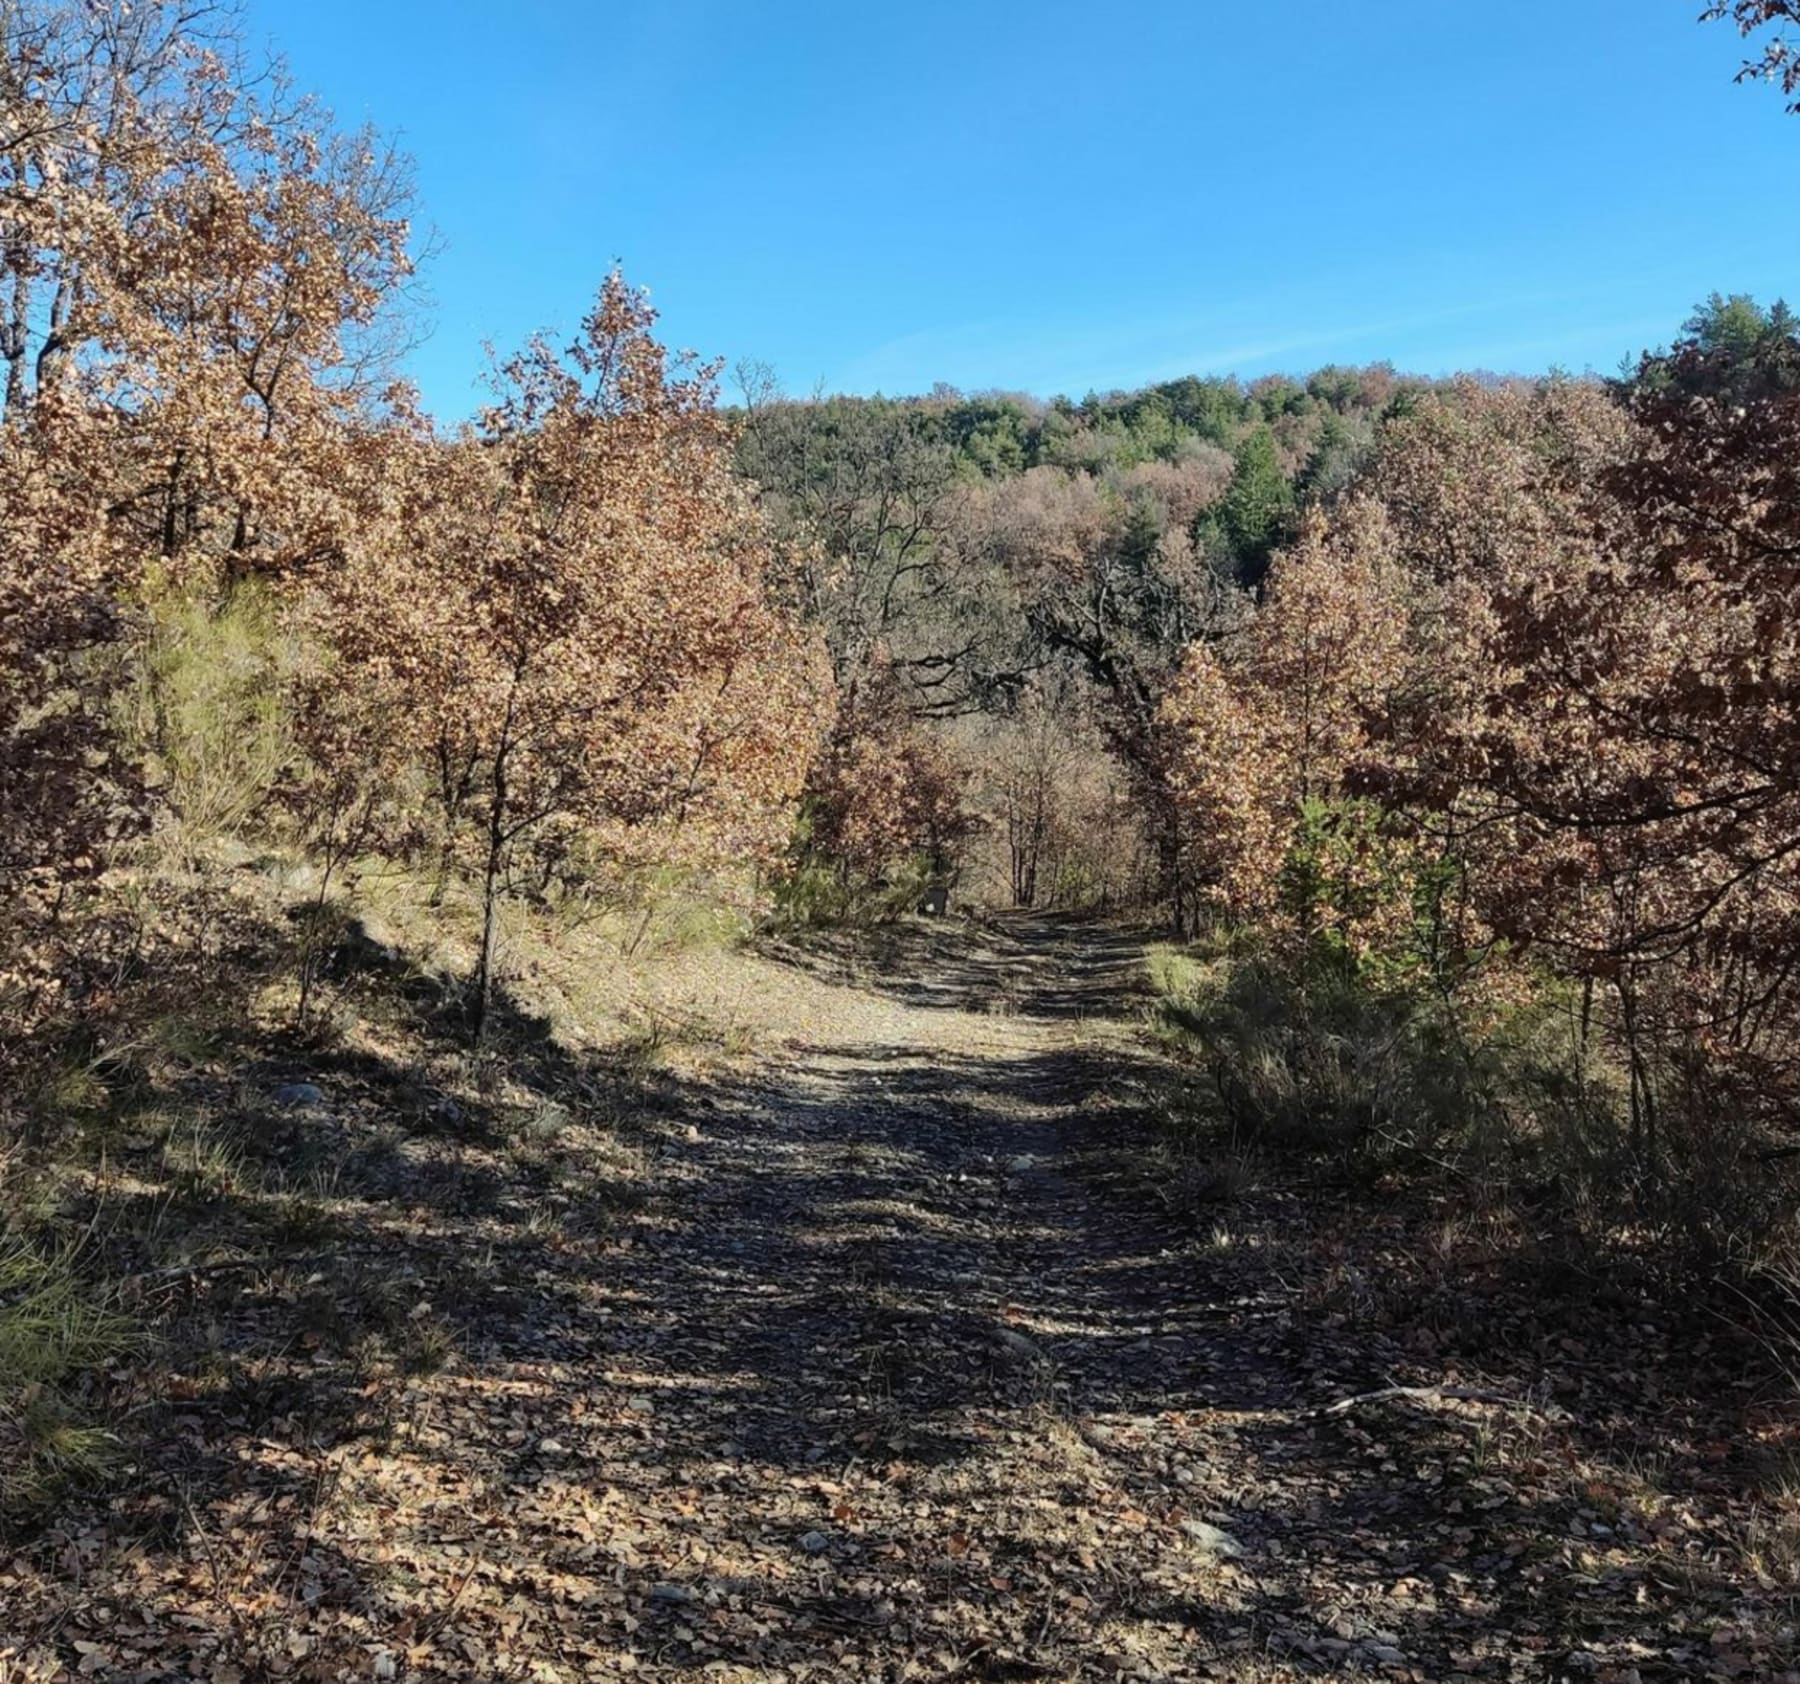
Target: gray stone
[[815, 1542], [298, 1094], [1214, 1540]]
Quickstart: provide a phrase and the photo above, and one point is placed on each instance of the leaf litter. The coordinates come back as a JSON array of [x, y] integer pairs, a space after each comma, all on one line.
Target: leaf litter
[[870, 1358]]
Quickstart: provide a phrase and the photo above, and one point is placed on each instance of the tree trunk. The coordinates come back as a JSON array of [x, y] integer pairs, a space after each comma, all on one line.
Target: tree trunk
[[484, 965], [492, 867]]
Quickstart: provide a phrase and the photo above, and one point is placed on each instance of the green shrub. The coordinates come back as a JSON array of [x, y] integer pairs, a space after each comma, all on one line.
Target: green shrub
[[1311, 1055], [814, 894], [208, 713], [1312, 1052]]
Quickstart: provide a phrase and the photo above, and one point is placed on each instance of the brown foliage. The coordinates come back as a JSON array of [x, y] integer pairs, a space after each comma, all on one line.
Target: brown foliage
[[1066, 827], [1778, 61], [565, 619], [560, 622], [201, 252], [1258, 725], [1617, 719], [1558, 643], [193, 273], [1109, 579], [63, 792], [886, 790]]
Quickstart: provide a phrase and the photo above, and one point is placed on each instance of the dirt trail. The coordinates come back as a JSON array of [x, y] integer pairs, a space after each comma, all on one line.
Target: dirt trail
[[898, 1387], [917, 1371], [891, 1373]]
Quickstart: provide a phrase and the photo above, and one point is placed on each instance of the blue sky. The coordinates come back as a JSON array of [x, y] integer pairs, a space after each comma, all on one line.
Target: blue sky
[[1060, 196]]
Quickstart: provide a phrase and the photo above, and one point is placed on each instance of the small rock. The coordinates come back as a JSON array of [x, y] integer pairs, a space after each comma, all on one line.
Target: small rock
[[552, 1447], [674, 1594], [295, 1095], [1214, 1540], [1384, 1655], [815, 1542], [641, 1403], [1015, 1347]]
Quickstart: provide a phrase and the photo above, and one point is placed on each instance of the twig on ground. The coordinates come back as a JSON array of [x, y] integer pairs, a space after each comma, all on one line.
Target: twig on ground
[[194, 1271], [1432, 1394]]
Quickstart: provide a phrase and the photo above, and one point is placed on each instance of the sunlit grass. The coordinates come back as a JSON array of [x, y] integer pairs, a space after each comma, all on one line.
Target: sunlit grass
[[53, 1329]]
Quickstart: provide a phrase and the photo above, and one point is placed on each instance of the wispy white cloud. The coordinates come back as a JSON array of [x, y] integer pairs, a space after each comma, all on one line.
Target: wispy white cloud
[[1060, 357]]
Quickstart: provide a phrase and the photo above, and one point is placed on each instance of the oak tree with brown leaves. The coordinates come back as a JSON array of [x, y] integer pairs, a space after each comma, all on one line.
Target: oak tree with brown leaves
[[1777, 23], [566, 617], [1557, 644]]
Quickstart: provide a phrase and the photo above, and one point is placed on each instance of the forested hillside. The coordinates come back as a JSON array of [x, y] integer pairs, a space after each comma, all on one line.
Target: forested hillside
[[466, 1014], [1039, 568]]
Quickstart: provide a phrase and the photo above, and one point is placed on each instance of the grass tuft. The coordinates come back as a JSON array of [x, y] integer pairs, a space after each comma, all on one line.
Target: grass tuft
[[53, 1330]]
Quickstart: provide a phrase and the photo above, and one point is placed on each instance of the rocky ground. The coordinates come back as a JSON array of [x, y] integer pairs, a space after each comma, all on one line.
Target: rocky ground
[[867, 1350]]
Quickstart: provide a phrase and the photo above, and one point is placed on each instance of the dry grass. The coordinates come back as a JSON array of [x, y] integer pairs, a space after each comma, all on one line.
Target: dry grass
[[55, 1326]]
